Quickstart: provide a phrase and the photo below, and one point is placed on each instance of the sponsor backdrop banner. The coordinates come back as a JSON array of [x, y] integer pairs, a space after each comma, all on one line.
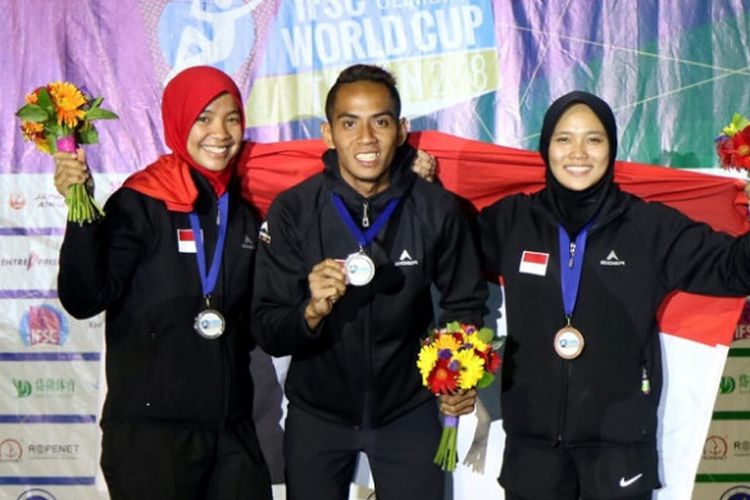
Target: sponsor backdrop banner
[[674, 72]]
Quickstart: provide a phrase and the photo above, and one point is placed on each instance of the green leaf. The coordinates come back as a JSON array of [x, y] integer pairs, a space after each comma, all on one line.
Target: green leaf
[[96, 102], [32, 113], [100, 114], [45, 101], [52, 142], [486, 335], [485, 381], [453, 326], [87, 135]]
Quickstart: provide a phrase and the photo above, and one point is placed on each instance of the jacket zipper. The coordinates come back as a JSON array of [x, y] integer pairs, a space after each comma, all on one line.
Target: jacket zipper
[[365, 215], [564, 403], [566, 367]]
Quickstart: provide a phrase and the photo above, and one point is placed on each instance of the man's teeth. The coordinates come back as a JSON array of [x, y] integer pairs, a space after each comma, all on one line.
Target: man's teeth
[[367, 156]]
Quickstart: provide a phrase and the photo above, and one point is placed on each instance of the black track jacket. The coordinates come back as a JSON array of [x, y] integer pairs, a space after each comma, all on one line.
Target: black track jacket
[[130, 265], [362, 358], [636, 254]]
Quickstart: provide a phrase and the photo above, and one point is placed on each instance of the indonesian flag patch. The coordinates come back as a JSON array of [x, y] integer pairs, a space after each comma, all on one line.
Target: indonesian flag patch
[[534, 263], [185, 241]]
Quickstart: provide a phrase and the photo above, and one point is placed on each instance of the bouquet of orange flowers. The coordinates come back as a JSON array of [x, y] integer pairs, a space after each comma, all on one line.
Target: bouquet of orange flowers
[[58, 117], [733, 145], [457, 357]]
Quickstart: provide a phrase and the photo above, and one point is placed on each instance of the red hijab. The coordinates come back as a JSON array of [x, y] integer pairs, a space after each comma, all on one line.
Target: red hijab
[[185, 97]]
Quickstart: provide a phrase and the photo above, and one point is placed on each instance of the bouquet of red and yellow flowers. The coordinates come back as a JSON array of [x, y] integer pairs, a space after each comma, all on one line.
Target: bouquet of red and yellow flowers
[[457, 357], [733, 145], [58, 117]]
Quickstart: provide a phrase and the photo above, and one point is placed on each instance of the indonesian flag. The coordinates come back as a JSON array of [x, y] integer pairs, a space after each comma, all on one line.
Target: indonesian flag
[[696, 330]]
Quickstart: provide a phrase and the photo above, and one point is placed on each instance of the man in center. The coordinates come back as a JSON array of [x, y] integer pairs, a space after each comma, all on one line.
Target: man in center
[[343, 284]]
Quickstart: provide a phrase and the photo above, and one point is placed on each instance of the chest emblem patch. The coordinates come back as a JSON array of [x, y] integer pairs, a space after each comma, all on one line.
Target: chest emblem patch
[[534, 263], [185, 241]]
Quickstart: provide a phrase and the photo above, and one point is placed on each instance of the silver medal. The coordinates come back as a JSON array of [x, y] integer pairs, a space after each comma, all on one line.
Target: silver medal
[[360, 269], [209, 324]]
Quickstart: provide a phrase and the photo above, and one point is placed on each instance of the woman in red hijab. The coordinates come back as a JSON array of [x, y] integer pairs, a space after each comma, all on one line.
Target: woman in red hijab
[[171, 265]]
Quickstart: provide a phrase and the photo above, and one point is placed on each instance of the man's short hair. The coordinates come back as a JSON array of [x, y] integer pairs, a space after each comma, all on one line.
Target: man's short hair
[[364, 73]]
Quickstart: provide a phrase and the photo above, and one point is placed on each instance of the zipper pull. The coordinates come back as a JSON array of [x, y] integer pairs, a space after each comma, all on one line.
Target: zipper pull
[[365, 216], [572, 253], [645, 382]]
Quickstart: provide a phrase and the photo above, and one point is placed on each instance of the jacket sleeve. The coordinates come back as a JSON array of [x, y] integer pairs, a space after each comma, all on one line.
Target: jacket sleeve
[[694, 258], [463, 291], [280, 287], [98, 259]]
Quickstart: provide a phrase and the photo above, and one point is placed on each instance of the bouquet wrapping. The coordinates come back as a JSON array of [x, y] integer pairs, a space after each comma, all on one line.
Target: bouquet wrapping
[[733, 144], [58, 117], [457, 357]]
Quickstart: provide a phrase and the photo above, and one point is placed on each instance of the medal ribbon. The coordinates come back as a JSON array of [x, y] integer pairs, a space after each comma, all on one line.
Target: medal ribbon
[[570, 271], [363, 238], [208, 281]]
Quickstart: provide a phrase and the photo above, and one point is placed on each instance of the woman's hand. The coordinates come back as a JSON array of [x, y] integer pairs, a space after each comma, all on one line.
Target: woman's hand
[[70, 168]]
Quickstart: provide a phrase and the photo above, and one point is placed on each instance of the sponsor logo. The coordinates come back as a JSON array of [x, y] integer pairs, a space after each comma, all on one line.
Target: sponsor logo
[[10, 451], [36, 494], [741, 448], [624, 483], [715, 448], [186, 241], [742, 332], [727, 385], [248, 243], [23, 388], [28, 262], [736, 493], [406, 260], [16, 201], [49, 201], [263, 234], [45, 387], [219, 33], [533, 263], [53, 451], [612, 260], [43, 325]]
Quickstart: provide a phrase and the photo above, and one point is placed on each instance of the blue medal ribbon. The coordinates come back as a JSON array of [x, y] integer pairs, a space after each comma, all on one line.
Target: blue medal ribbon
[[363, 238], [571, 268], [208, 281]]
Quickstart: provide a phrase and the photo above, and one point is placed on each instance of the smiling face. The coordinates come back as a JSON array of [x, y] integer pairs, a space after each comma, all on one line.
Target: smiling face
[[365, 133], [578, 149], [216, 136]]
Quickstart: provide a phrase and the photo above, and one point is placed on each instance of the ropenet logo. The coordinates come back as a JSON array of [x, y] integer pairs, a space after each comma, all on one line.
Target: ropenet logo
[[43, 325], [715, 448], [442, 52], [36, 494], [219, 33], [10, 450]]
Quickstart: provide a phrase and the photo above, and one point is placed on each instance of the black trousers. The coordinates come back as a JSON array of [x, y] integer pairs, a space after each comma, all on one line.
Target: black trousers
[[143, 461], [321, 455], [511, 496]]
